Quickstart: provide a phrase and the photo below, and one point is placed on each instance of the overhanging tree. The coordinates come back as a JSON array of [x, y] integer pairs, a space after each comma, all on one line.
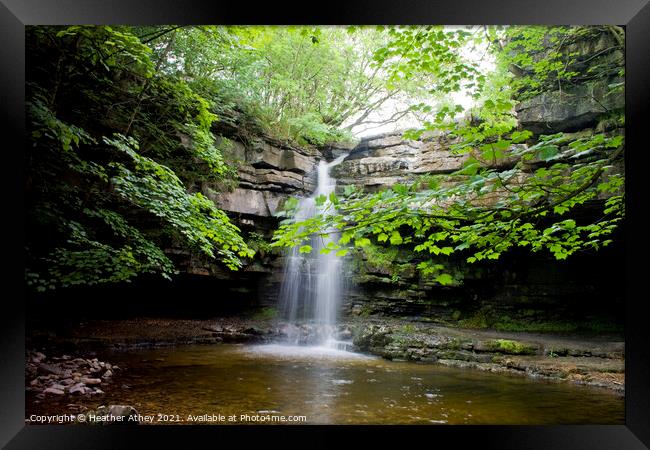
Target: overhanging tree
[[515, 189]]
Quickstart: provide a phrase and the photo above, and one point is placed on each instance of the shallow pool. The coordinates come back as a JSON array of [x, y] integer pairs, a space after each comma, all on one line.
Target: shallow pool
[[253, 384]]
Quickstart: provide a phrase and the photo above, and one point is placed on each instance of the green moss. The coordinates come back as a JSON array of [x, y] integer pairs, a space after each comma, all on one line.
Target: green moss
[[477, 321], [512, 347], [266, 313], [408, 328], [454, 344], [603, 326], [550, 327], [485, 318], [365, 311]]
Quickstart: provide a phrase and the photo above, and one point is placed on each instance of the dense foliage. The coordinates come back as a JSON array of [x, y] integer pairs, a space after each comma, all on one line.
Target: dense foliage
[[121, 127], [308, 84], [114, 145], [120, 121], [516, 189]]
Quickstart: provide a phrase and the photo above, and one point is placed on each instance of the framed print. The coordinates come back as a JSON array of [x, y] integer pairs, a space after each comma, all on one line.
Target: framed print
[[389, 220]]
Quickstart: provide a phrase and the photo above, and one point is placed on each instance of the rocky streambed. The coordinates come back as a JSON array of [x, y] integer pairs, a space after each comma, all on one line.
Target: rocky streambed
[[589, 360], [67, 376]]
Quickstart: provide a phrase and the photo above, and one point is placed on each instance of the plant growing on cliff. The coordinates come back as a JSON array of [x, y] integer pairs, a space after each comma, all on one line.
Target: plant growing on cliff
[[311, 85], [115, 146], [517, 188]]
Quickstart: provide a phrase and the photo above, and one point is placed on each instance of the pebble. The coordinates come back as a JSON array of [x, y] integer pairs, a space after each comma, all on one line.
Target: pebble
[[53, 391], [66, 375], [79, 387]]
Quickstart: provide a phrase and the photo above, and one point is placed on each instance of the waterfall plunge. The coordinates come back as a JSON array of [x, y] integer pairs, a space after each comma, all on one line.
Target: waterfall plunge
[[311, 286]]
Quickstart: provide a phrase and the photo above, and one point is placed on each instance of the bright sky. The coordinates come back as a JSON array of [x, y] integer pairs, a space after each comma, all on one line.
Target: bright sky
[[485, 63]]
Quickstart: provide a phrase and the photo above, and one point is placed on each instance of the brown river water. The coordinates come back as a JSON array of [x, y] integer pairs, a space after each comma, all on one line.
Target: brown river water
[[243, 384]]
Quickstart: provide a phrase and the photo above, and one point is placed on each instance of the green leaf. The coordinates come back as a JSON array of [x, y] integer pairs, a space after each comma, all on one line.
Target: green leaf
[[520, 136], [362, 242], [320, 200], [305, 249], [444, 279], [547, 152]]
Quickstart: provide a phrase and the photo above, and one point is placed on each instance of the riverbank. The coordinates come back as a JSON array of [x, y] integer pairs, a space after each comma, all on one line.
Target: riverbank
[[594, 360]]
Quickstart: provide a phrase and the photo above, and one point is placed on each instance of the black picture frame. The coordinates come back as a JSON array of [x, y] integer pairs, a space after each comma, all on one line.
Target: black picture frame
[[634, 14]]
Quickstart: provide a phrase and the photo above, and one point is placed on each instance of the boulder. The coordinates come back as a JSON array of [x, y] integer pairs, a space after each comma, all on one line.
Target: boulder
[[250, 201], [439, 161], [295, 162], [568, 110], [263, 155]]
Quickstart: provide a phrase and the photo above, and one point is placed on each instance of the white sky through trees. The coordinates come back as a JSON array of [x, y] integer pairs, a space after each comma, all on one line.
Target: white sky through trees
[[484, 61]]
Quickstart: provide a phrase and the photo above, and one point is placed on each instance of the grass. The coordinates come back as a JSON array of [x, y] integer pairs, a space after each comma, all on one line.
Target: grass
[[267, 313], [485, 320]]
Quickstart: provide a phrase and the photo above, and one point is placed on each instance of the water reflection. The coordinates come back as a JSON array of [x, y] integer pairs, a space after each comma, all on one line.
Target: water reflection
[[340, 389]]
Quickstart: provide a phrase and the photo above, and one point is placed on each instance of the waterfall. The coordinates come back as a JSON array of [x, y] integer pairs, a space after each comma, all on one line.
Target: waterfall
[[310, 293]]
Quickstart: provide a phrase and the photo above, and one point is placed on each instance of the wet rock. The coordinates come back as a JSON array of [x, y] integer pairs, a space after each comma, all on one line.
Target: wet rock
[[37, 357], [78, 388], [52, 390], [107, 374], [49, 369], [345, 334], [91, 380], [373, 336], [253, 331]]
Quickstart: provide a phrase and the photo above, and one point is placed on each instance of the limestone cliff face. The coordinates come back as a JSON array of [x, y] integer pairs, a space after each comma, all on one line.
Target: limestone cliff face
[[519, 286], [384, 160], [270, 172]]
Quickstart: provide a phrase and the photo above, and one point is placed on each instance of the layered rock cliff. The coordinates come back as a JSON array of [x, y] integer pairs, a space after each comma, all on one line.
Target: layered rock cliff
[[518, 287]]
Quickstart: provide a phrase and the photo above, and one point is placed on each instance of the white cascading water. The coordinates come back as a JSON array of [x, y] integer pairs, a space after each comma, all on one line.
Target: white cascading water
[[311, 287]]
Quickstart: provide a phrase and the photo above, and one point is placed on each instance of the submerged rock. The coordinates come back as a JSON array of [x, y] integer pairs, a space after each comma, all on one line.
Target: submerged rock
[[113, 414]]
